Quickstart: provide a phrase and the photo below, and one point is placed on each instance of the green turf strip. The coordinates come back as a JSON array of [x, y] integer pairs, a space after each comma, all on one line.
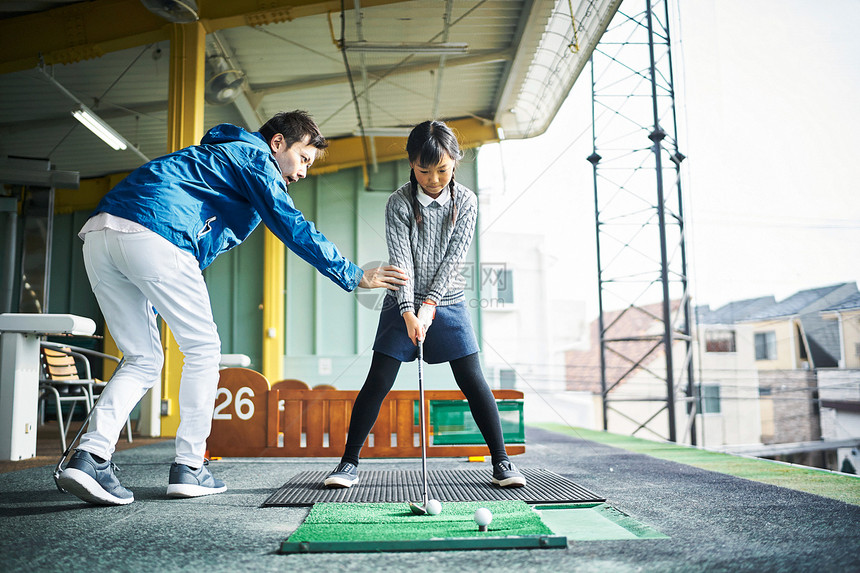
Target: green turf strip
[[594, 522], [810, 480], [395, 521]]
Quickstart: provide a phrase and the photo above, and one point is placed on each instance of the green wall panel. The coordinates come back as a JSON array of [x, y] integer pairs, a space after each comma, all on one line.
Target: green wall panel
[[236, 292], [300, 304], [336, 218]]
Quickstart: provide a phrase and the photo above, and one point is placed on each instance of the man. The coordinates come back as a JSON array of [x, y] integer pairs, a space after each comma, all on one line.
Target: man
[[145, 247]]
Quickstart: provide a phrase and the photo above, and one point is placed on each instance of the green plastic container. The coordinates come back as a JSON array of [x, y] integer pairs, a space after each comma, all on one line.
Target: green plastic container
[[453, 424]]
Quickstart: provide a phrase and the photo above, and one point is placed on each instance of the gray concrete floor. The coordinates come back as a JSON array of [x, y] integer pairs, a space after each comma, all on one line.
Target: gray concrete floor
[[715, 522]]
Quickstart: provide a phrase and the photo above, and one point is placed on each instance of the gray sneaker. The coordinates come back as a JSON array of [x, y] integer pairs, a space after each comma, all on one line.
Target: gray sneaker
[[344, 475], [188, 482], [505, 474], [93, 481]]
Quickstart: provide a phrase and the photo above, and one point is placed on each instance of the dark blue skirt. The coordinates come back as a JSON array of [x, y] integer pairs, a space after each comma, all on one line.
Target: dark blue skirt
[[449, 337]]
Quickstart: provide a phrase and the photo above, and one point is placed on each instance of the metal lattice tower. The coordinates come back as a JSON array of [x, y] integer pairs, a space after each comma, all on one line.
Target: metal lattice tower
[[645, 329]]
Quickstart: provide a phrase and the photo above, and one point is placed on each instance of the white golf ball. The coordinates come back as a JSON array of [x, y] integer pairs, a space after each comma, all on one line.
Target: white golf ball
[[434, 507], [483, 516]]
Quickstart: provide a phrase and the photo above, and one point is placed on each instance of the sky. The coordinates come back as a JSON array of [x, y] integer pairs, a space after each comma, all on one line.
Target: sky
[[767, 96]]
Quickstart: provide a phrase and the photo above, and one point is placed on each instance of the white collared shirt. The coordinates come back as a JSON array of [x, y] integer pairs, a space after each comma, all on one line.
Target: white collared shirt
[[426, 199]]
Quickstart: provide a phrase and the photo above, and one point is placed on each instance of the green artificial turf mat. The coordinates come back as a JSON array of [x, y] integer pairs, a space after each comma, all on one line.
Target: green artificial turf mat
[[810, 480], [391, 521], [393, 527], [594, 522]]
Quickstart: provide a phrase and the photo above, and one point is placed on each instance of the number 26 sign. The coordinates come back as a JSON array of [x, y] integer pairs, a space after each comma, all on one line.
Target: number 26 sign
[[240, 417]]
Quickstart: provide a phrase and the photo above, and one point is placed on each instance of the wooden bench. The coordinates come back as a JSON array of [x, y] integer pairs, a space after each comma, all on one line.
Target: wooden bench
[[253, 419]]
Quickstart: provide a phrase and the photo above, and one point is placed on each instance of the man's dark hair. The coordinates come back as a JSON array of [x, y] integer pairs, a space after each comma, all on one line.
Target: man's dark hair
[[294, 126]]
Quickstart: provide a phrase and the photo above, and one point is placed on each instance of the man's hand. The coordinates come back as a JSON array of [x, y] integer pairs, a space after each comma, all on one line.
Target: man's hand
[[388, 277]]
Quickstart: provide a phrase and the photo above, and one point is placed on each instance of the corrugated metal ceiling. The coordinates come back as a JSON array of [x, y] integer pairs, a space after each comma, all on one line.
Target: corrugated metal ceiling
[[522, 59]]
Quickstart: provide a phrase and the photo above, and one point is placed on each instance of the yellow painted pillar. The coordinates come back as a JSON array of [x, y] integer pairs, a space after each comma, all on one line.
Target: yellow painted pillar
[[184, 128], [273, 307]]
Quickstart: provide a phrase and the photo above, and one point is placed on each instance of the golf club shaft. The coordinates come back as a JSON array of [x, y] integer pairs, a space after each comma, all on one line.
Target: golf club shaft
[[421, 417], [58, 470]]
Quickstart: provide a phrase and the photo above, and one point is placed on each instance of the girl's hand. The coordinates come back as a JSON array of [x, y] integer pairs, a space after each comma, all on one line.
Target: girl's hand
[[427, 313], [388, 276], [414, 328]]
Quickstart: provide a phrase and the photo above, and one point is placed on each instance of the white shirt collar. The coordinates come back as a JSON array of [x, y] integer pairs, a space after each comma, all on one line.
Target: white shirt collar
[[426, 199]]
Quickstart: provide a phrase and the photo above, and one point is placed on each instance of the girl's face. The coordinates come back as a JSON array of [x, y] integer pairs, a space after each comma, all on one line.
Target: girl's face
[[434, 179]]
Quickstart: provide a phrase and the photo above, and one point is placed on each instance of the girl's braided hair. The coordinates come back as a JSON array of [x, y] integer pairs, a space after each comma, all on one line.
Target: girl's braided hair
[[428, 143]]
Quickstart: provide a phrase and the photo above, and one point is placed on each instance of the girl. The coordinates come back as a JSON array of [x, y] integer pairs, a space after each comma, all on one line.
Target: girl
[[429, 225]]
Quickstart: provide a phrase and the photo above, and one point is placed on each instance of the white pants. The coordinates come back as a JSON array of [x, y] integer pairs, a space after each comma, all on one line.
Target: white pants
[[130, 273]]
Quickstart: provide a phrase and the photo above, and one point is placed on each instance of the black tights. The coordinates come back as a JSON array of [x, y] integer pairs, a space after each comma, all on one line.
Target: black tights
[[383, 371]]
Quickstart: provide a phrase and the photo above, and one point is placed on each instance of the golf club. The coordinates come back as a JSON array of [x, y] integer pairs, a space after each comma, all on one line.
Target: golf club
[[59, 469], [421, 509]]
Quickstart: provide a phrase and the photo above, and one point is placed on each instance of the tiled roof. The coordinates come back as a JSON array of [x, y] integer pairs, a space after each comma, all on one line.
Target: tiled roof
[[798, 302], [850, 303], [734, 311]]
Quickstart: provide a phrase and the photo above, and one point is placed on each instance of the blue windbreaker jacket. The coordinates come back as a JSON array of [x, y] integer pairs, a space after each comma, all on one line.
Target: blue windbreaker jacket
[[207, 198]]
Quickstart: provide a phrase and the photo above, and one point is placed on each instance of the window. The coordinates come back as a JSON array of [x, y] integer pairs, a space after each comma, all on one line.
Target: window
[[857, 349], [720, 341], [710, 399], [765, 345], [507, 379], [497, 285]]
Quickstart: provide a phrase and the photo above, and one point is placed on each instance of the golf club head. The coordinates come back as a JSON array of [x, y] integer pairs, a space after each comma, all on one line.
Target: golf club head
[[57, 473], [416, 509]]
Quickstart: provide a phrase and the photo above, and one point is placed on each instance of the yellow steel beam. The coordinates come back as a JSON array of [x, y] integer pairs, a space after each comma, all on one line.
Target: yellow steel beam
[[87, 196], [349, 151], [185, 92], [219, 14], [86, 30], [274, 284], [184, 128], [77, 32]]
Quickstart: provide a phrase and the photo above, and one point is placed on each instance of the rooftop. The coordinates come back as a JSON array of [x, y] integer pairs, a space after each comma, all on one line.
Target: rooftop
[[850, 303], [799, 302], [732, 312]]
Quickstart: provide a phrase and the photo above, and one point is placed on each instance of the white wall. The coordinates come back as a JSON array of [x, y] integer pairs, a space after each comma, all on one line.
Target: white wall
[[839, 385], [530, 335], [739, 420]]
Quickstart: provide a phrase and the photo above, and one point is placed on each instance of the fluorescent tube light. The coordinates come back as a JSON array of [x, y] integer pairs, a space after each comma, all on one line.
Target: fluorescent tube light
[[384, 132], [97, 125], [93, 122], [427, 48]]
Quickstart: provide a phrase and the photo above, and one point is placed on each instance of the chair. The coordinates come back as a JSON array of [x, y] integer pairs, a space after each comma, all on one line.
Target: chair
[[61, 379]]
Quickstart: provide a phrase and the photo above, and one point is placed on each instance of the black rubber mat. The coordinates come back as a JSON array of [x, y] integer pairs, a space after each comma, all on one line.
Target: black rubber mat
[[390, 486]]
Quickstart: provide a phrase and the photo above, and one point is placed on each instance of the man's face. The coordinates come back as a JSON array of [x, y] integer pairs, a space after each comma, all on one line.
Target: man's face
[[295, 160]]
